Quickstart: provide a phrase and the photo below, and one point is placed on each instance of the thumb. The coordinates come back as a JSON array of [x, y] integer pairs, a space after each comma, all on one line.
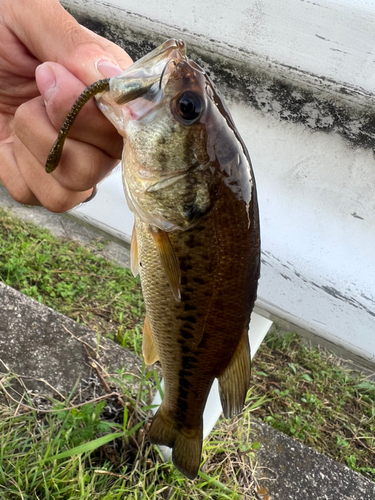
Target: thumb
[[51, 34]]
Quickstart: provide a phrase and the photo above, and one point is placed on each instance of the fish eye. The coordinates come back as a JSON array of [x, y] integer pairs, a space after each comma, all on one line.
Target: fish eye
[[189, 106]]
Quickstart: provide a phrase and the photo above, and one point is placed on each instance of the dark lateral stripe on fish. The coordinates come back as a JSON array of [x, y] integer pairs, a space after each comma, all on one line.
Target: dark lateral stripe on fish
[[190, 319], [187, 363], [182, 408], [185, 296], [188, 307], [191, 241], [184, 266], [184, 280], [186, 335], [188, 360], [200, 281], [185, 383], [182, 394]]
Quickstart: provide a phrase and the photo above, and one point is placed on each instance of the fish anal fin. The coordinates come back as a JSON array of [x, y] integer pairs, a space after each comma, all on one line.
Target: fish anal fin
[[186, 443], [149, 351], [134, 265], [168, 260], [234, 381]]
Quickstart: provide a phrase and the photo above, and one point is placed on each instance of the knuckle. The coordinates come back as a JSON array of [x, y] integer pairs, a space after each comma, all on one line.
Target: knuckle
[[57, 205], [81, 177], [21, 117], [62, 200], [57, 109], [83, 166], [72, 33], [22, 194], [83, 43]]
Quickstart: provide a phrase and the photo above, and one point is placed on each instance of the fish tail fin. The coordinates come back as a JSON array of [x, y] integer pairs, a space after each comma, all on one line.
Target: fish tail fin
[[163, 429], [234, 381], [186, 443], [187, 452]]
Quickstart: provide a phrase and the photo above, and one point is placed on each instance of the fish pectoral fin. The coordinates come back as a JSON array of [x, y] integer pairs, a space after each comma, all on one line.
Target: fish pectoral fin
[[186, 443], [134, 264], [149, 351], [168, 260], [234, 381]]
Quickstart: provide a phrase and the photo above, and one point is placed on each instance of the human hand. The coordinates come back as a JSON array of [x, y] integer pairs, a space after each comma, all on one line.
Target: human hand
[[35, 99]]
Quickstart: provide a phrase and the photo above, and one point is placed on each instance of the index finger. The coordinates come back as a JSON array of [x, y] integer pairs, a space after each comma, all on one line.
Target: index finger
[[52, 34]]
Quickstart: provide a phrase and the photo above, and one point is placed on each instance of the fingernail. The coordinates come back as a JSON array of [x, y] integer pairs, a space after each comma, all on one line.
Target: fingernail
[[107, 68], [45, 78]]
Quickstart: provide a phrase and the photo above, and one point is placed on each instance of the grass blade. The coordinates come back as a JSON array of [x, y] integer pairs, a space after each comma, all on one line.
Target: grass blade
[[87, 447]]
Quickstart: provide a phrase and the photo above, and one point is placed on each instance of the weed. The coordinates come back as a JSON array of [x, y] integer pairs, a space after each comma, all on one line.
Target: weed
[[67, 453], [313, 399], [301, 391], [72, 280]]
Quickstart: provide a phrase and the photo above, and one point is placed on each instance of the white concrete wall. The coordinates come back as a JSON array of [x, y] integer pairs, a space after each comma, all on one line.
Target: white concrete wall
[[316, 190], [330, 38]]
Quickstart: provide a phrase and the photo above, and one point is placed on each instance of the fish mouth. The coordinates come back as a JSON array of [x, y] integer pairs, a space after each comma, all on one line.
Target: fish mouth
[[146, 74], [173, 43], [159, 53], [181, 47]]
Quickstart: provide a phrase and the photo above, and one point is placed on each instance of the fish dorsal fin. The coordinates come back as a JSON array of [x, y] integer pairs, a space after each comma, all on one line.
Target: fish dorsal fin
[[149, 351], [234, 381], [168, 260], [134, 264]]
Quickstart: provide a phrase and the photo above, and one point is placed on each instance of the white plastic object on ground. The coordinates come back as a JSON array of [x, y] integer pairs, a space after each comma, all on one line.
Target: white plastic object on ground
[[259, 327]]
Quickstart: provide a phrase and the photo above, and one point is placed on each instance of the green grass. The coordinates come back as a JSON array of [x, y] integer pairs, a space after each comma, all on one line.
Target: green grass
[[314, 399], [71, 279], [301, 391], [66, 453]]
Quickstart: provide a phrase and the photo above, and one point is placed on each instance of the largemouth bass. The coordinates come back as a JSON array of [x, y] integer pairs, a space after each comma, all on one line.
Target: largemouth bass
[[196, 244]]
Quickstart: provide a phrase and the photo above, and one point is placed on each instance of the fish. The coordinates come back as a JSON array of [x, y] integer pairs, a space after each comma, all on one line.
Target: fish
[[189, 181]]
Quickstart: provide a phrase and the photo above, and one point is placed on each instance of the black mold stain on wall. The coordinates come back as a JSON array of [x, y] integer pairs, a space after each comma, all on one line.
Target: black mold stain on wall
[[316, 106]]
